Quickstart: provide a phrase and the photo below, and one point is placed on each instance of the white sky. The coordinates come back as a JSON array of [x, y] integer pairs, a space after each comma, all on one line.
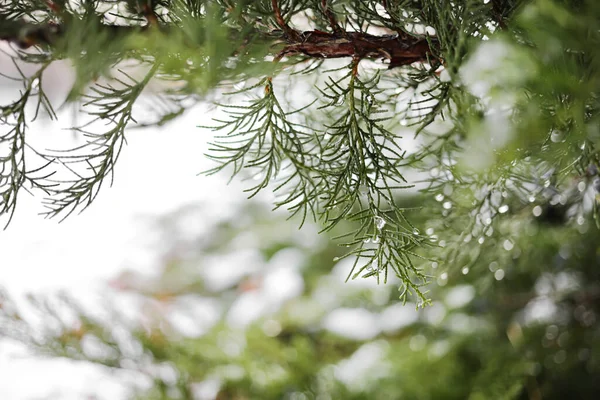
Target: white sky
[[157, 173]]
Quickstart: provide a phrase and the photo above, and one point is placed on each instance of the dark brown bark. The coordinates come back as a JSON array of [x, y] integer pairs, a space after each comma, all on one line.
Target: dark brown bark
[[25, 34], [361, 45], [316, 44], [398, 49]]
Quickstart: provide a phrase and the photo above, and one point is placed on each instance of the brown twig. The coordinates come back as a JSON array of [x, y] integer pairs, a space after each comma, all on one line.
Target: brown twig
[[499, 14], [290, 33], [150, 15], [26, 34], [398, 52], [314, 44], [331, 17], [53, 6], [355, 62]]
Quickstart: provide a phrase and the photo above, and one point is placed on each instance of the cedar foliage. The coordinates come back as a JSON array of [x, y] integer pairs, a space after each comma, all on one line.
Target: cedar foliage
[[337, 157], [447, 142]]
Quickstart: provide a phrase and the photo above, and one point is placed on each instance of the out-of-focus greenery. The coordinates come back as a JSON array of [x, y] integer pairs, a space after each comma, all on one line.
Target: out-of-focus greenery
[[489, 210], [530, 332]]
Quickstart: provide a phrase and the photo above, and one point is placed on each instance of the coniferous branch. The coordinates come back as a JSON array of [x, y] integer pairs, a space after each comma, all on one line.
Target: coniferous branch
[[359, 153], [506, 165], [360, 165], [260, 136], [349, 168], [351, 172], [397, 50], [14, 174], [114, 107]]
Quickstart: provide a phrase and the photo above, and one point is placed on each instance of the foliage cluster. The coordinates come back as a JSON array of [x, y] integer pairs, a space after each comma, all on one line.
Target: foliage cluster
[[501, 129], [493, 190]]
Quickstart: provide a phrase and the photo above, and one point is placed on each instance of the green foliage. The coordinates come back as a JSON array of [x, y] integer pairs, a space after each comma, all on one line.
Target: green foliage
[[502, 104], [472, 167], [479, 340]]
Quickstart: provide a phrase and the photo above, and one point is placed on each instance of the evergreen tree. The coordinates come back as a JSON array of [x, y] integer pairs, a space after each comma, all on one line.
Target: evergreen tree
[[496, 190]]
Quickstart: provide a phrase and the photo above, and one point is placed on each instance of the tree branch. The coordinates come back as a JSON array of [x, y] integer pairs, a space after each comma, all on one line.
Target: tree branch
[[360, 45], [26, 34], [316, 44], [290, 33], [331, 18]]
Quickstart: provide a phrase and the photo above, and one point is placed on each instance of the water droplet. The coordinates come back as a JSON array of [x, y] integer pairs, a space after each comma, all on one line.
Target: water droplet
[[416, 232], [443, 279], [583, 354], [481, 240], [447, 205], [434, 264], [499, 274], [468, 238], [379, 222], [547, 183], [560, 356], [376, 239], [502, 209], [465, 270], [434, 172], [367, 240], [508, 245], [580, 220], [448, 189], [403, 122], [429, 231], [439, 197], [565, 252], [493, 266], [531, 199], [581, 186], [556, 136], [537, 211], [562, 199]]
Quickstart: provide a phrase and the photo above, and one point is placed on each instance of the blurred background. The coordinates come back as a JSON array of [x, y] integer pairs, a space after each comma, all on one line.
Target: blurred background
[[186, 290]]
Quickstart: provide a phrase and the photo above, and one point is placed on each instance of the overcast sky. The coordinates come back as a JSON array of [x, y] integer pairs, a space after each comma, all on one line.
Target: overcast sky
[[156, 173]]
